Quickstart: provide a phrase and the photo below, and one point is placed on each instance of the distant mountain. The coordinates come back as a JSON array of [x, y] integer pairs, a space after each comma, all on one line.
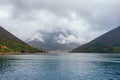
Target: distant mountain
[[10, 43], [107, 43], [53, 46], [49, 41]]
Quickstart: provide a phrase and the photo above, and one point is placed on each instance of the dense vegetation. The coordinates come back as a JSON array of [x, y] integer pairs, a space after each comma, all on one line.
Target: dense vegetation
[[10, 43], [10, 46]]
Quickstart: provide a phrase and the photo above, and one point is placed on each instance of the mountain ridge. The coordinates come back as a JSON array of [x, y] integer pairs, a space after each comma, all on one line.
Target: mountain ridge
[[106, 43], [10, 43]]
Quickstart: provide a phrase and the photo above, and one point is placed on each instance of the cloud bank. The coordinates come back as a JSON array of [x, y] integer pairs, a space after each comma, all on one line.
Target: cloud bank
[[84, 19]]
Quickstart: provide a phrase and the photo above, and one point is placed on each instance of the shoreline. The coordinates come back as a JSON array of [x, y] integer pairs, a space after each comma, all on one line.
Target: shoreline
[[9, 53], [19, 53]]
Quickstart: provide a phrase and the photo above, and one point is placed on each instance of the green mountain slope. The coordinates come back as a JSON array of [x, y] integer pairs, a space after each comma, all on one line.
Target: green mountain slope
[[107, 43], [10, 43]]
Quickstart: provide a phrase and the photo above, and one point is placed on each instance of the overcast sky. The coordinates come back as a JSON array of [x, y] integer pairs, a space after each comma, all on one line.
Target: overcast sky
[[84, 19]]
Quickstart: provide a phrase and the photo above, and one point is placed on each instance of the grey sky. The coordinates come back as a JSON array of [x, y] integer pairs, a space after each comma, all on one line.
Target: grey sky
[[85, 19]]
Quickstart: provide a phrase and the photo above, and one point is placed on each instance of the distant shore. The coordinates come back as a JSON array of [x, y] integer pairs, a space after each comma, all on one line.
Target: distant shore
[[18, 53]]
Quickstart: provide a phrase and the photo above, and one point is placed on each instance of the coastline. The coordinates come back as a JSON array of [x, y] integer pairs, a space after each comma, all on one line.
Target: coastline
[[19, 53], [10, 53]]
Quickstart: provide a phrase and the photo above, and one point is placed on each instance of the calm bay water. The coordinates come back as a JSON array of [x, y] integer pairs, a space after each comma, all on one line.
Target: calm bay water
[[60, 67]]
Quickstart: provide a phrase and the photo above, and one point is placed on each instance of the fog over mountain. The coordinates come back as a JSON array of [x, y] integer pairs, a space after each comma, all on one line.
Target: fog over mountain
[[58, 40], [83, 20]]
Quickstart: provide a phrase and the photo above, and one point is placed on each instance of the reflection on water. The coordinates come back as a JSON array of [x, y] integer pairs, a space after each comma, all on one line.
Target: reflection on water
[[60, 67]]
